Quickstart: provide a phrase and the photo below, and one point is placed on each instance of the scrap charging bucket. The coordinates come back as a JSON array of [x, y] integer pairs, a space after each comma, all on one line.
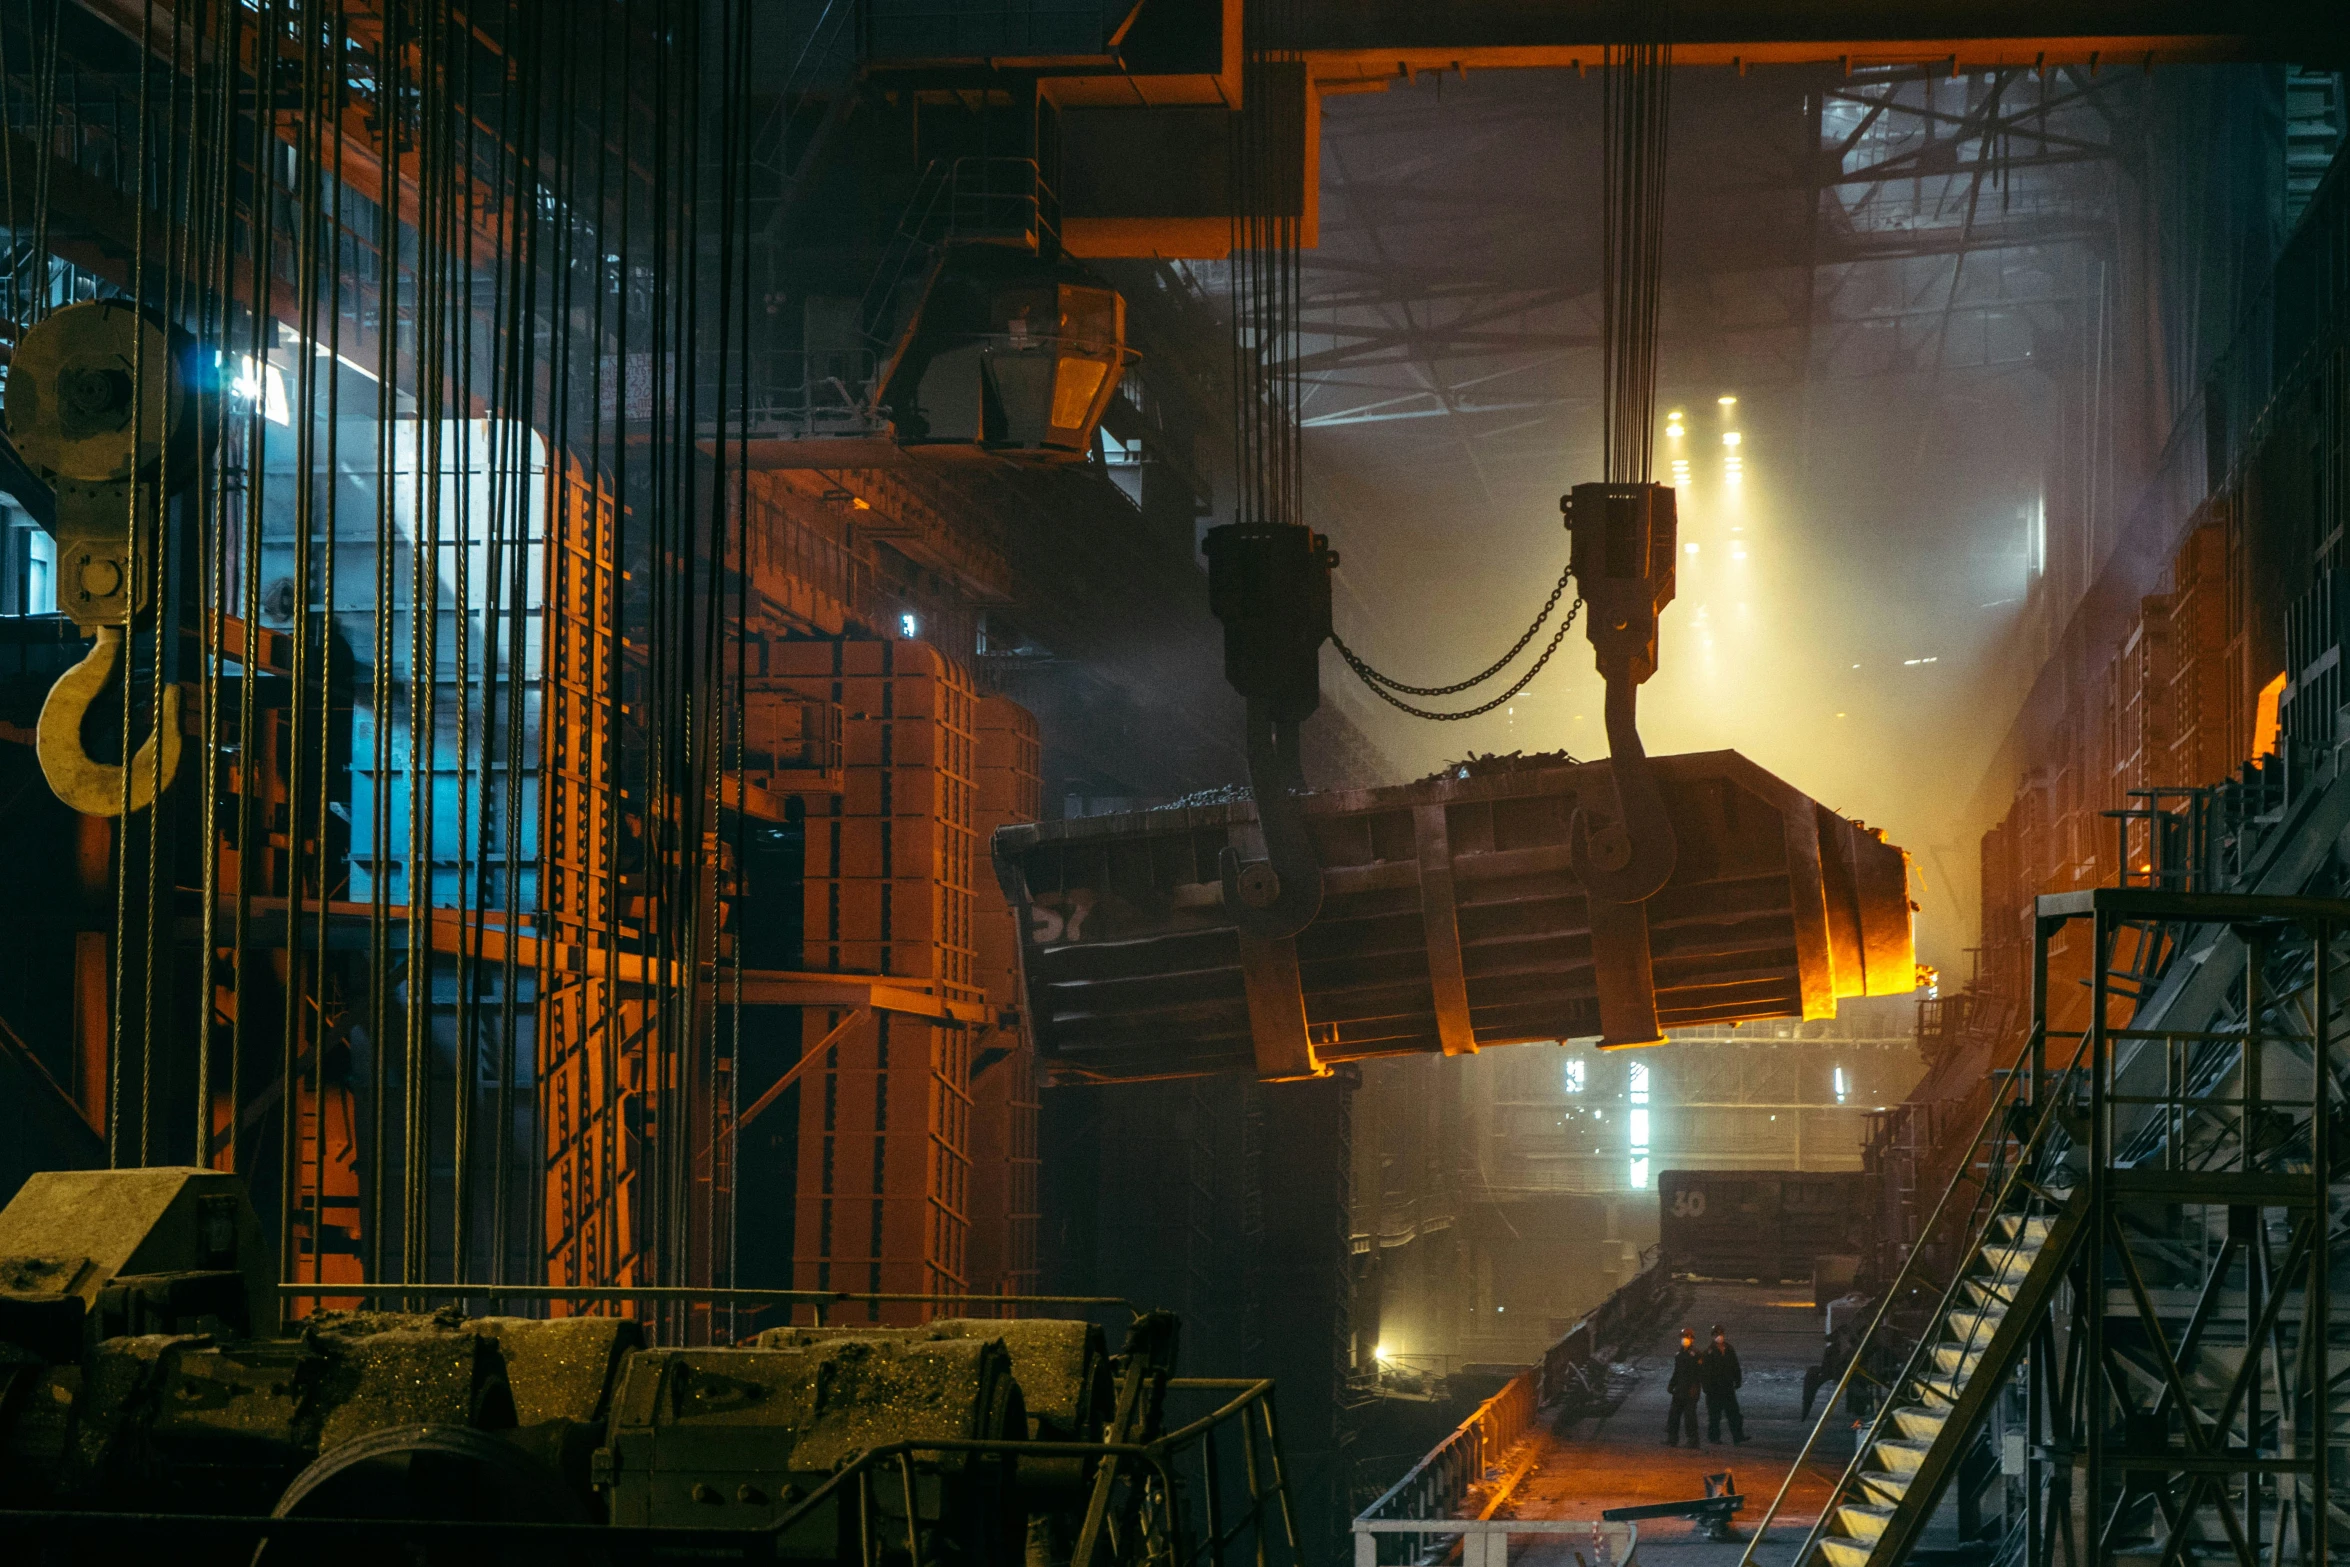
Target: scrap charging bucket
[[1451, 918]]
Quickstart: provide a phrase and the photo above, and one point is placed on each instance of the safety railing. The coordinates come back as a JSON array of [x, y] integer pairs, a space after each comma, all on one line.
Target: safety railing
[[2006, 1150], [1570, 1365], [1434, 1488], [662, 1295]]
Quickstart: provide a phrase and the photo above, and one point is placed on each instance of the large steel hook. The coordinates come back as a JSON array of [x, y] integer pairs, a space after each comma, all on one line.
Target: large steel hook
[[99, 423], [1624, 555], [97, 788], [1279, 895], [1628, 859]]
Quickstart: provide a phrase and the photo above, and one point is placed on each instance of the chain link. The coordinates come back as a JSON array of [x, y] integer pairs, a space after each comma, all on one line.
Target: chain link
[[1384, 689], [1487, 673]]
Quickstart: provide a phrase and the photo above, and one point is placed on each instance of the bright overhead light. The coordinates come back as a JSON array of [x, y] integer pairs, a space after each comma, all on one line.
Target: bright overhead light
[[1691, 548], [1725, 400], [1731, 438], [1674, 430]]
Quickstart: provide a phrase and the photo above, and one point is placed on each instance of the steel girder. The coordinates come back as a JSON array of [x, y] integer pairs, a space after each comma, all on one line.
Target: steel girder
[[2181, 1397]]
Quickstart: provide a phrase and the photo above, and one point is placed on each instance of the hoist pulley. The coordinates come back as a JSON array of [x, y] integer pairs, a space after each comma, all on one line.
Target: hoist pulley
[[1269, 583], [101, 409]]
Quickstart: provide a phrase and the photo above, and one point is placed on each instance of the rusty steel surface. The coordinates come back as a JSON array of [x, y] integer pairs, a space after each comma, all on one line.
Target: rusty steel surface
[[1452, 920]]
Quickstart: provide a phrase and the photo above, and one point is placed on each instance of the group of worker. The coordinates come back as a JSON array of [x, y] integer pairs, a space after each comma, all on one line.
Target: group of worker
[[1714, 1372]]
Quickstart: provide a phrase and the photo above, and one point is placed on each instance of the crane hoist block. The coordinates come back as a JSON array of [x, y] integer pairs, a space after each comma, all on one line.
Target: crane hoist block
[[1452, 919]]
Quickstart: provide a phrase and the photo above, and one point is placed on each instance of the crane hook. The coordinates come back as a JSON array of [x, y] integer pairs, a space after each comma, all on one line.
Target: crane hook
[[91, 787]]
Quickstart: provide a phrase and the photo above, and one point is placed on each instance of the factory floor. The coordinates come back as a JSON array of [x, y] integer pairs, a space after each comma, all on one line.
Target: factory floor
[[1617, 1459]]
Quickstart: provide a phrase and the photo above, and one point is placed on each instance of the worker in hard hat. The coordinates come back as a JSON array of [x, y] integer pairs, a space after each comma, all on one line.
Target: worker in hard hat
[[1722, 1376], [1683, 1386]]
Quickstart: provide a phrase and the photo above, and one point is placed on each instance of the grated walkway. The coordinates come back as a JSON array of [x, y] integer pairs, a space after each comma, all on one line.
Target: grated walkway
[[1616, 1459]]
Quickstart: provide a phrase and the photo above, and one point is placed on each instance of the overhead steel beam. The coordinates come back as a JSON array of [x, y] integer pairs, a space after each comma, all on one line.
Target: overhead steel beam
[[1378, 40]]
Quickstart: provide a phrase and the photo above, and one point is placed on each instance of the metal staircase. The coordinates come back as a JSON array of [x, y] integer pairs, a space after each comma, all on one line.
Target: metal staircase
[[1924, 1431], [2133, 1349], [2009, 1247]]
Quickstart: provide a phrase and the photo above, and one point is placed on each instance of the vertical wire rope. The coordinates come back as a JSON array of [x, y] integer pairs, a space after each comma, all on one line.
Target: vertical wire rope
[[208, 220], [514, 419], [744, 50], [329, 106], [465, 1070], [260, 230], [134, 564], [614, 40], [297, 1020], [389, 248]]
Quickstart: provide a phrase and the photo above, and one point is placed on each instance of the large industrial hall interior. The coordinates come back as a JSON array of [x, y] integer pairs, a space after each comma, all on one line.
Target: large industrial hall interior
[[1174, 783]]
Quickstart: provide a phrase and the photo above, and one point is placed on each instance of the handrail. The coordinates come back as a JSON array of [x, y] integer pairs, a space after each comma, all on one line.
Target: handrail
[[1437, 1483], [2013, 1078], [1154, 1454], [316, 1289]]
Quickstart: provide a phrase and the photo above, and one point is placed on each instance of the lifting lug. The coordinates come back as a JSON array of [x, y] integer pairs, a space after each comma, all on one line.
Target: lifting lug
[[96, 788]]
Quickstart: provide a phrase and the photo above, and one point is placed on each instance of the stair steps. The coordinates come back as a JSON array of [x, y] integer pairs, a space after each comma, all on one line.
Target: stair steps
[[1917, 1444]]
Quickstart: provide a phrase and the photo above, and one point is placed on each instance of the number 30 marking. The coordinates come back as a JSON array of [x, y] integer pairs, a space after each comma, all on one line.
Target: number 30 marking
[[1688, 1204]]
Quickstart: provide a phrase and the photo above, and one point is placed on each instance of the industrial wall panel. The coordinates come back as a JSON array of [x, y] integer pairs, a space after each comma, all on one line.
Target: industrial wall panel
[[1005, 1206], [883, 1187]]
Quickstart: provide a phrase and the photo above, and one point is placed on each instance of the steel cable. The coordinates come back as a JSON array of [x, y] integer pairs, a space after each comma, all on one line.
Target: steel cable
[[1636, 100]]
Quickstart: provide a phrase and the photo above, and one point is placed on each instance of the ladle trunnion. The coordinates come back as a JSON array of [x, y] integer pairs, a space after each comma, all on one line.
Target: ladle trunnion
[[1452, 919]]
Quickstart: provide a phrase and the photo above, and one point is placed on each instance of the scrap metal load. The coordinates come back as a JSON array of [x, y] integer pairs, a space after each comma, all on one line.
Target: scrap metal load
[[1452, 917]]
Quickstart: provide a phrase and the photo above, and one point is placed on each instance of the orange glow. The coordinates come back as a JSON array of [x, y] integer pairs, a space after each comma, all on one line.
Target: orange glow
[[2264, 717]]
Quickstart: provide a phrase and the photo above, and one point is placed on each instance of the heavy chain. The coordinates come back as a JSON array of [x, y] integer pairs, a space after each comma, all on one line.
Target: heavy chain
[[1377, 679], [1385, 689]]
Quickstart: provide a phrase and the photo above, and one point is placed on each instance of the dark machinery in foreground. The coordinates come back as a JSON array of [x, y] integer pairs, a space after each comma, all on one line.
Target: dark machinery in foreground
[[135, 1396]]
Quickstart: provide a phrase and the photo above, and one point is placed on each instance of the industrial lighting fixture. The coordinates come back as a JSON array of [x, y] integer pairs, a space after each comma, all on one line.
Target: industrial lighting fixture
[[1381, 1354], [1841, 1086], [1673, 425], [1574, 1075], [1726, 400], [908, 626], [1731, 438]]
